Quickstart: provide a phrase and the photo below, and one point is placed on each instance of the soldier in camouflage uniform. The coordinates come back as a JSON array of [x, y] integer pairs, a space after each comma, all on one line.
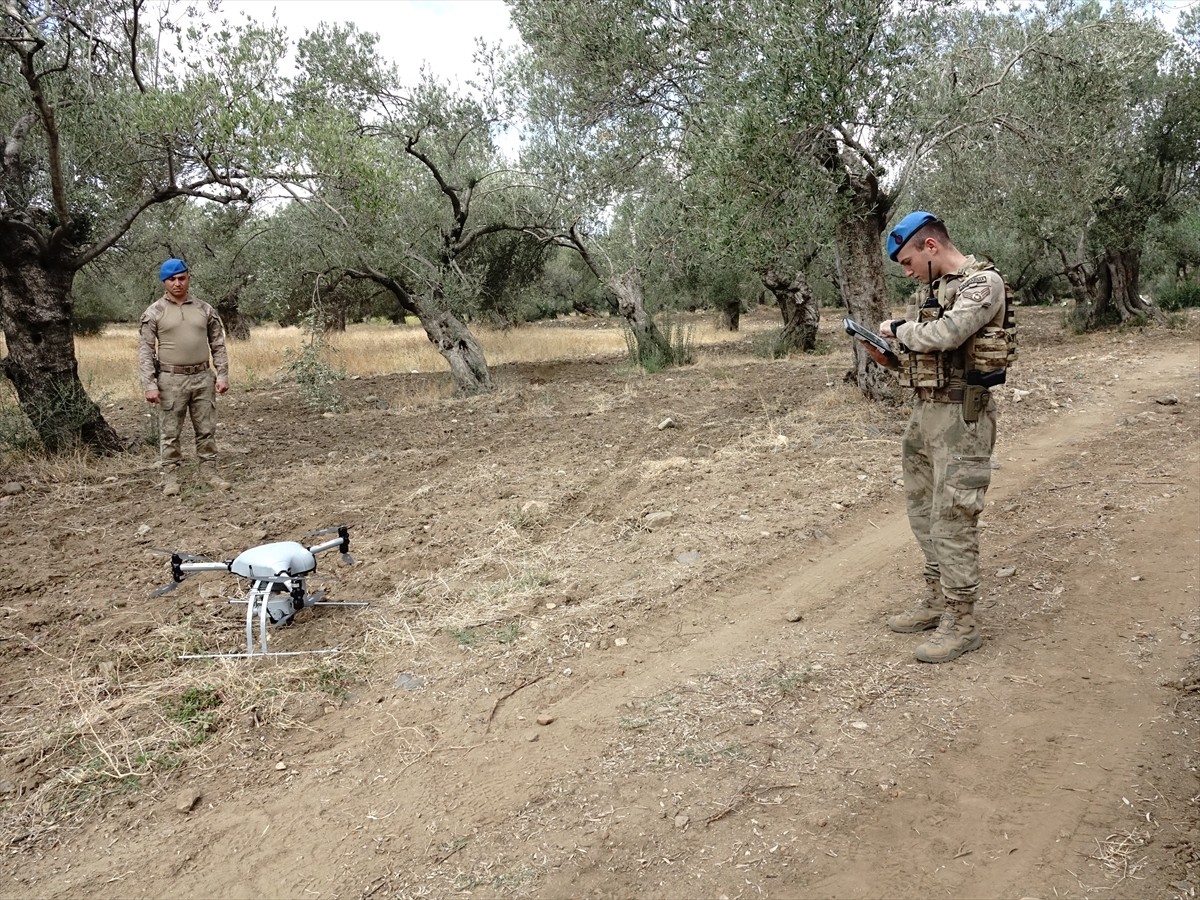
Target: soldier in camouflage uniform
[[178, 335], [955, 345]]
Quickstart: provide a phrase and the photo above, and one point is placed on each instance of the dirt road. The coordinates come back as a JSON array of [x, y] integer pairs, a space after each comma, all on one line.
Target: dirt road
[[558, 693]]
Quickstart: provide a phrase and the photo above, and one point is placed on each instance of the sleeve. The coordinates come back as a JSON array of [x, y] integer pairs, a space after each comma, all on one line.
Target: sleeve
[[216, 345], [147, 344], [975, 304]]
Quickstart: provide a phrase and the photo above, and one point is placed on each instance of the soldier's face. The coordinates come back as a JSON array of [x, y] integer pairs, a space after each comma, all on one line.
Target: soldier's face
[[916, 257], [177, 286]]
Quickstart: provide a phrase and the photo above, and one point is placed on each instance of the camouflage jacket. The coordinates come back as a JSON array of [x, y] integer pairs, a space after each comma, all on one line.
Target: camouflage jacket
[[148, 346], [972, 296]]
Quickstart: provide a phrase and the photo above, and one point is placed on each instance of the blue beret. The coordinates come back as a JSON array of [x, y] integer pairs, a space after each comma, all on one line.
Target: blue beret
[[171, 267], [905, 229]]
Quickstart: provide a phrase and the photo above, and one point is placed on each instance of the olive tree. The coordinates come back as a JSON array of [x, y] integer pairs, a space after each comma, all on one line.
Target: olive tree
[[849, 97], [403, 186], [108, 109]]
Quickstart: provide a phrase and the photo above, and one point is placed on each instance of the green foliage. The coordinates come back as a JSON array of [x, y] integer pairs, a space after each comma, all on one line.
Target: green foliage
[[63, 407], [674, 346], [509, 633], [332, 679], [311, 370], [1181, 296], [16, 433], [466, 637], [770, 344], [316, 377], [196, 709]]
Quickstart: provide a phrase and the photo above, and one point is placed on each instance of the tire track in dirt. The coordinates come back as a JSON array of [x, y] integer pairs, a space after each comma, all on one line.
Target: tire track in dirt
[[300, 839], [1061, 805]]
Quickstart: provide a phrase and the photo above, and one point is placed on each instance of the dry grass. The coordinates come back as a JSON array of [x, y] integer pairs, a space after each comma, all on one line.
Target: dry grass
[[108, 368], [126, 712]]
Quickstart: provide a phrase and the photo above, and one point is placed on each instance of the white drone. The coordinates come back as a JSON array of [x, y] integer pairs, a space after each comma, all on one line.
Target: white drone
[[278, 575]]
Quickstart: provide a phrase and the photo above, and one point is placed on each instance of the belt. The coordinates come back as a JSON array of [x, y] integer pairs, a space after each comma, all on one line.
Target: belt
[[941, 395], [184, 370]]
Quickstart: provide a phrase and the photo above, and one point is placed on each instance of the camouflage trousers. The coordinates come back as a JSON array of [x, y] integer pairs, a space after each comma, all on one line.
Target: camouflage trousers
[[178, 397], [947, 469]]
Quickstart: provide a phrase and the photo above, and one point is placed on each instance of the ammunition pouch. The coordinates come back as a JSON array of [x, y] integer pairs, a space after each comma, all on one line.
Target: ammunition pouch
[[993, 350], [157, 368]]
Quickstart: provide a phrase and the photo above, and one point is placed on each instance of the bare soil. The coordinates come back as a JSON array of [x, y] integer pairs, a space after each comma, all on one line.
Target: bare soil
[[553, 695]]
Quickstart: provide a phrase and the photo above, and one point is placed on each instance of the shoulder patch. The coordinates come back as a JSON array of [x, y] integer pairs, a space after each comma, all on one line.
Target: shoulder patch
[[976, 293]]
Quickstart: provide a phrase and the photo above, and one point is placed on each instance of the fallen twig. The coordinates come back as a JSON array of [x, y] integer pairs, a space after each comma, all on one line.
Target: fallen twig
[[503, 697]]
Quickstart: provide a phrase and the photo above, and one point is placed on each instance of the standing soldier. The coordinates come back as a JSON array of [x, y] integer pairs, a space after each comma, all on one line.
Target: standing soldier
[[955, 346], [178, 334]]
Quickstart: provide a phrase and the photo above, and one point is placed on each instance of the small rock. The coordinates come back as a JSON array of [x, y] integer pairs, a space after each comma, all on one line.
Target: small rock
[[668, 422], [211, 590], [6, 788], [533, 737], [861, 726], [1138, 578], [1006, 572], [143, 530], [280, 767], [620, 642], [794, 616], [545, 719], [186, 801], [688, 557], [407, 682], [681, 821], [534, 508], [654, 519], [13, 488], [1168, 400]]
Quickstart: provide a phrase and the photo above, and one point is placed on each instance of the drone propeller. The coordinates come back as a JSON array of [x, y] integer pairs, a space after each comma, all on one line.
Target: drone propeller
[[333, 529], [165, 589], [344, 532], [183, 557]]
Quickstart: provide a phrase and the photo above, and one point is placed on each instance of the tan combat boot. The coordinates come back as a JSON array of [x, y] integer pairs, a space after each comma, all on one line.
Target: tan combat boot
[[925, 615], [209, 473], [956, 634], [171, 483]]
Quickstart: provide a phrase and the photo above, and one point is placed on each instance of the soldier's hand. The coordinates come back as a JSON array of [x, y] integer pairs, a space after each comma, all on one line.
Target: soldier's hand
[[152, 396], [222, 386], [885, 329]]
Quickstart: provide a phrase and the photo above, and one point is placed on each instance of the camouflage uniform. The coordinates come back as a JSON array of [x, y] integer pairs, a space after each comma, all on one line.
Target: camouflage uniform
[[946, 460], [182, 336]]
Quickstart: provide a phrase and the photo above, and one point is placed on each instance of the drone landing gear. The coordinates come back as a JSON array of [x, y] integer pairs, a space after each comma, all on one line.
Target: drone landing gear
[[271, 603]]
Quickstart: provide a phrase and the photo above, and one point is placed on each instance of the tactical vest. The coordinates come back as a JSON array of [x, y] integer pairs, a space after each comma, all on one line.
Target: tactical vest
[[991, 349]]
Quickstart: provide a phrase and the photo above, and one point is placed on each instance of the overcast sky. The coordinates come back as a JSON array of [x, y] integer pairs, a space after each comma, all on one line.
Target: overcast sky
[[439, 32]]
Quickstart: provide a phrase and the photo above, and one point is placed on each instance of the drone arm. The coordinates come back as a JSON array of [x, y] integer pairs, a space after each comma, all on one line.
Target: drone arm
[[341, 544], [328, 545], [188, 568]]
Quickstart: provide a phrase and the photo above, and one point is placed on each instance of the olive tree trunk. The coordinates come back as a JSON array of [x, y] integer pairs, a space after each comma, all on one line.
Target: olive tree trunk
[[35, 313], [454, 340], [631, 303], [860, 280], [800, 311], [1117, 291]]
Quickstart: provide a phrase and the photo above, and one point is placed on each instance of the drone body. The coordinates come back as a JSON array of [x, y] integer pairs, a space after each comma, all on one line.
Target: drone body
[[278, 574]]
